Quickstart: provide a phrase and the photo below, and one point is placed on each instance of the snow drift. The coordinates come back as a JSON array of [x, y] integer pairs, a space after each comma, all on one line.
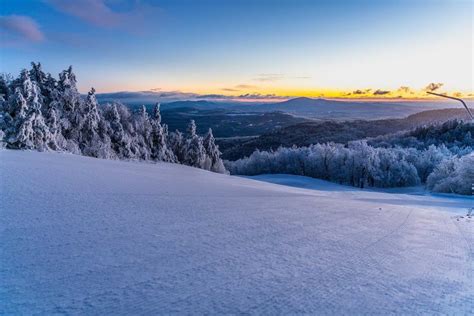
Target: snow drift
[[87, 236]]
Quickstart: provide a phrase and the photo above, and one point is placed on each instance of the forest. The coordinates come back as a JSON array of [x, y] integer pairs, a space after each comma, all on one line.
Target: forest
[[40, 112], [439, 155]]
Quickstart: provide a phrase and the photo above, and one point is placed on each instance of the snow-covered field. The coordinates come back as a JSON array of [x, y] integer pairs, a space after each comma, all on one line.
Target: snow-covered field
[[89, 236]]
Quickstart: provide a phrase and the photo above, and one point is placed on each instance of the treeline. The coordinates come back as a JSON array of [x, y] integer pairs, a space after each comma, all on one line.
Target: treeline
[[39, 112], [362, 165], [456, 135]]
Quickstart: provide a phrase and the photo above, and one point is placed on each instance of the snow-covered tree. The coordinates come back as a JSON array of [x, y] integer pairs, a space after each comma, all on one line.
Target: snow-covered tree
[[195, 154], [143, 131], [159, 149], [27, 128], [455, 175], [177, 144], [214, 161], [67, 88], [120, 141]]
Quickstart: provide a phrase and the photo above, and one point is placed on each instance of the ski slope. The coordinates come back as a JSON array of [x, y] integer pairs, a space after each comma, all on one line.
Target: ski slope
[[89, 236]]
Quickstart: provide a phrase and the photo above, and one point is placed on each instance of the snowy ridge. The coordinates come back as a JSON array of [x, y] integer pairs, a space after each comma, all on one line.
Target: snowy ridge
[[90, 236]]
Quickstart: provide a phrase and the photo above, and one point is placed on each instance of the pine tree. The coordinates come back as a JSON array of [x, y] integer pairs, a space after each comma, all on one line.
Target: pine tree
[[177, 144], [68, 94], [191, 130], [118, 138], [213, 154], [195, 154], [57, 140], [143, 133], [36, 74], [32, 131], [157, 114], [5, 81], [89, 140], [159, 148]]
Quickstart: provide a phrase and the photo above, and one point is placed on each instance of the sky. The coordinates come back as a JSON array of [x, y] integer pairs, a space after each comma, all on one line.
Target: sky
[[250, 49]]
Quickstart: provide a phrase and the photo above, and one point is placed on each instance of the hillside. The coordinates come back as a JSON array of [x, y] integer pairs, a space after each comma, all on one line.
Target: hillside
[[90, 236], [225, 123], [307, 133]]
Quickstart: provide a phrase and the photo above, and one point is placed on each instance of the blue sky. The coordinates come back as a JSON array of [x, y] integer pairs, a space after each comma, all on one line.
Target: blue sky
[[311, 48]]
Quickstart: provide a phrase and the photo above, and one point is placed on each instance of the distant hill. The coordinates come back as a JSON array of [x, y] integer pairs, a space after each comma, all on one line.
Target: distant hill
[[225, 123], [306, 107], [346, 110], [308, 133]]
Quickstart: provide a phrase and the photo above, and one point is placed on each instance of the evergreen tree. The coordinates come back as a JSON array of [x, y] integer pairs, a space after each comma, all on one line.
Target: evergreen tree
[[213, 154], [159, 149], [119, 140], [89, 141], [67, 89], [33, 133], [143, 130], [191, 130], [177, 144], [38, 112], [195, 154]]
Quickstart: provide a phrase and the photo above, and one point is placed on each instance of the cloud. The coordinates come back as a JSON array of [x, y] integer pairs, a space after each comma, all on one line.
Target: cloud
[[98, 13], [240, 87], [359, 92], [380, 92], [242, 97], [230, 89], [433, 86], [405, 89], [269, 77], [19, 28], [93, 11], [261, 96], [246, 86]]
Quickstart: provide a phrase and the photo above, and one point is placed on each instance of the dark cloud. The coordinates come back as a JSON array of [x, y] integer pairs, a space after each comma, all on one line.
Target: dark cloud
[[19, 28], [433, 86], [230, 89], [359, 92], [380, 92], [262, 96], [246, 96], [405, 89]]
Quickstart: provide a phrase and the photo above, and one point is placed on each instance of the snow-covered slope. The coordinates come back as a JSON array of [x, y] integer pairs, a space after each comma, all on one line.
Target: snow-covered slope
[[88, 236]]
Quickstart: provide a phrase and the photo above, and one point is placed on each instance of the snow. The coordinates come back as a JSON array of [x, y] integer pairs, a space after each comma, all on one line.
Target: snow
[[416, 196], [88, 236]]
